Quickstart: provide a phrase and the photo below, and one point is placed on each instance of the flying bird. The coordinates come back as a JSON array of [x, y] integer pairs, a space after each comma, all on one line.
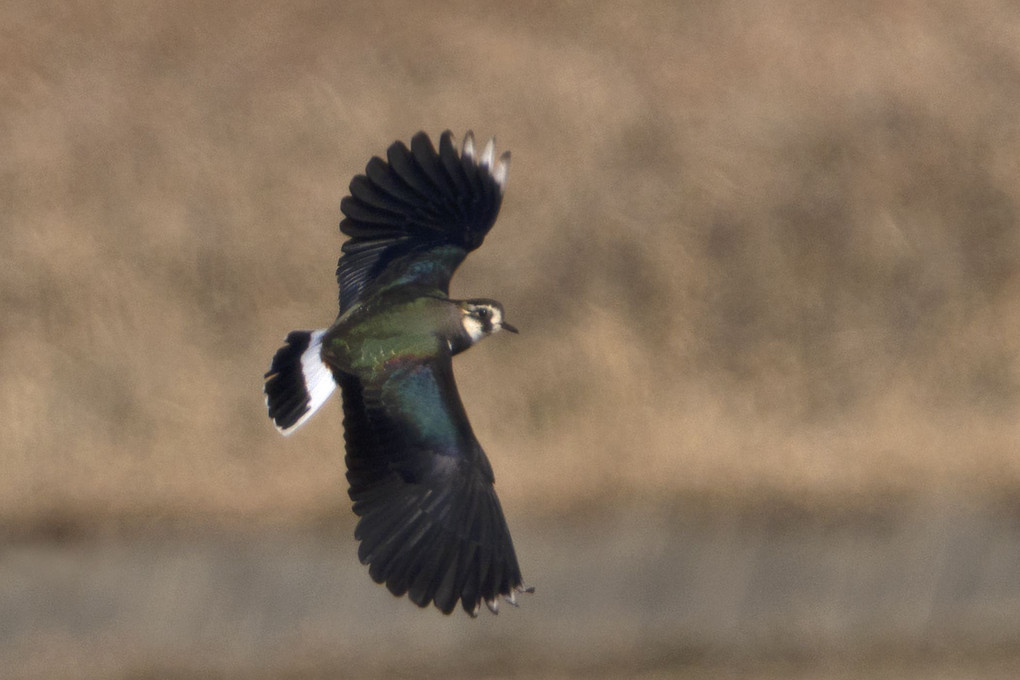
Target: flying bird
[[430, 523]]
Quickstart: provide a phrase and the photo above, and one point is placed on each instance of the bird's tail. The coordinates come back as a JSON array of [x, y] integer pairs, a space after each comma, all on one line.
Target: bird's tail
[[298, 382]]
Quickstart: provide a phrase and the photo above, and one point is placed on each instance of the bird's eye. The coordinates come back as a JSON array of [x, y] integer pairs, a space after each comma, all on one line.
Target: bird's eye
[[482, 313]]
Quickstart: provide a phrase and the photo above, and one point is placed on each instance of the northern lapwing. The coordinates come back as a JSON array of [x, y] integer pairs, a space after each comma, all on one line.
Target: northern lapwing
[[430, 523]]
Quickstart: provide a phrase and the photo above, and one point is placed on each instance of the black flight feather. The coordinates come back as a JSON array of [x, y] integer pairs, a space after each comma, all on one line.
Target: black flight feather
[[431, 525], [286, 393], [408, 206]]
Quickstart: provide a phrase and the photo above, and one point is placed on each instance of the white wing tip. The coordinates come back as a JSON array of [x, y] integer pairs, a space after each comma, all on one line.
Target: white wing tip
[[502, 169], [488, 154], [499, 169]]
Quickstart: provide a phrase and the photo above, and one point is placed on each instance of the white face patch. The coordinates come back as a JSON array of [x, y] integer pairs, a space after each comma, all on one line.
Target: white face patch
[[481, 320], [474, 328]]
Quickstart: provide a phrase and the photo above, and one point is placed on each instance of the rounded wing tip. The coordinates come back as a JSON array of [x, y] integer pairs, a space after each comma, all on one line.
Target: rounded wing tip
[[418, 200], [498, 169], [492, 603]]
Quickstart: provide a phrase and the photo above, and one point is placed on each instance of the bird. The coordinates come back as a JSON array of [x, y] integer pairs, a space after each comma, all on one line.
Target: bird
[[430, 524]]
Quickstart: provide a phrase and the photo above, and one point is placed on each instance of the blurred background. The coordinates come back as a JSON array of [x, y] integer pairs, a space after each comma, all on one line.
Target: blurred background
[[763, 417]]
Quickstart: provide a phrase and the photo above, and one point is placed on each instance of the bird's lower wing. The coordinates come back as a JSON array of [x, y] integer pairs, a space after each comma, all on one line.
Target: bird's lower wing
[[431, 525]]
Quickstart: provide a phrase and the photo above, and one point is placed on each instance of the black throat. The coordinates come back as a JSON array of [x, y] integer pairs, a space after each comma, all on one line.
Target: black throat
[[459, 342]]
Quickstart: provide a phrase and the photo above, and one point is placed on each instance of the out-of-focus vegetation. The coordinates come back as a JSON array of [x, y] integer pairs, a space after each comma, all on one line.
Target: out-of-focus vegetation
[[755, 248]]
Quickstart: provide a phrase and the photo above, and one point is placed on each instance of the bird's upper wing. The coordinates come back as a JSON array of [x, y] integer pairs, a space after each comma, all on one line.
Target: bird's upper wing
[[414, 217], [431, 525]]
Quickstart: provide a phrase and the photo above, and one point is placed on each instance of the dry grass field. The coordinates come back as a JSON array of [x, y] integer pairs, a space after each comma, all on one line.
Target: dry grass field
[[764, 256]]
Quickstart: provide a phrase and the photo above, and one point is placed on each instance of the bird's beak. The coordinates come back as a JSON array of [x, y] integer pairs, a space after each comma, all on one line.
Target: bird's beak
[[507, 327]]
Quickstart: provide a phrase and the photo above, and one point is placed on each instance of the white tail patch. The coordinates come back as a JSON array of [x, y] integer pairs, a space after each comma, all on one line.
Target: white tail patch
[[319, 381], [298, 383]]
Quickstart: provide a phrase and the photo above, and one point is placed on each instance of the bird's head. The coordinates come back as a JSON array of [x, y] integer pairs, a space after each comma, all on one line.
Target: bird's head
[[482, 317]]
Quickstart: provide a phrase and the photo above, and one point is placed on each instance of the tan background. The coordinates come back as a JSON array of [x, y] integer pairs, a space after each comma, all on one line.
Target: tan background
[[764, 256]]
